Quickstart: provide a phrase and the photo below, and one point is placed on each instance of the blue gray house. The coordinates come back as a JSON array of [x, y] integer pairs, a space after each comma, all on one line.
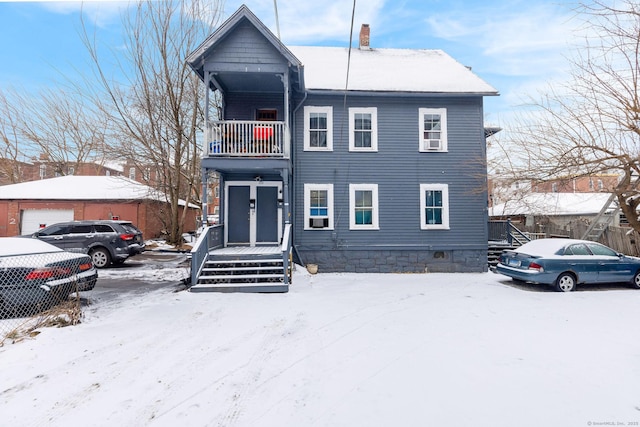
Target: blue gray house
[[358, 160]]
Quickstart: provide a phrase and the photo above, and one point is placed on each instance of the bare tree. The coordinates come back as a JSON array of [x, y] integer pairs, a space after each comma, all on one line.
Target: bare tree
[[55, 124], [157, 109], [9, 142], [591, 124]]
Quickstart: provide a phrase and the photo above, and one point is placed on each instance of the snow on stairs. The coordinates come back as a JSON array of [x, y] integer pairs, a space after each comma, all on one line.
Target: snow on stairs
[[494, 251], [245, 274]]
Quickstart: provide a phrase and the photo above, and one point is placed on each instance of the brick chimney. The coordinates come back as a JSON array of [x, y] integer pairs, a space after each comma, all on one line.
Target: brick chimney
[[364, 37]]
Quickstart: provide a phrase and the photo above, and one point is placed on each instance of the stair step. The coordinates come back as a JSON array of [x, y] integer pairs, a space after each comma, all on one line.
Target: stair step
[[240, 276], [257, 268], [245, 261], [267, 287]]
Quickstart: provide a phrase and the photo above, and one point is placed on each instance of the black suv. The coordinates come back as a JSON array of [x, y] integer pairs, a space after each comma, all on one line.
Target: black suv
[[106, 241]]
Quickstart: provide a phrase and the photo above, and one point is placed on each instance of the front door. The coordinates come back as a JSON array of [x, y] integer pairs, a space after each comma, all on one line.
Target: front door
[[253, 215]]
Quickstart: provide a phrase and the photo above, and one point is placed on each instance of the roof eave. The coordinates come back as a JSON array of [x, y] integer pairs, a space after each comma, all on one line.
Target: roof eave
[[196, 58], [396, 93]]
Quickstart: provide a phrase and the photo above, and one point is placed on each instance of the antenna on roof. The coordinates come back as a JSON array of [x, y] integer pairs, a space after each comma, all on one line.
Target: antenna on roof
[[275, 6]]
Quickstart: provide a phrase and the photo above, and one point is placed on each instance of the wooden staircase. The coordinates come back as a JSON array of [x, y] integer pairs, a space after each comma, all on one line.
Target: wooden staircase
[[248, 273], [503, 235], [216, 268], [495, 250]]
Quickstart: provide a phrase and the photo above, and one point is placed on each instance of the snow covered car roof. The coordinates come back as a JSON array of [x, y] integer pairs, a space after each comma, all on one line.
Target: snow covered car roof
[[12, 246], [546, 247]]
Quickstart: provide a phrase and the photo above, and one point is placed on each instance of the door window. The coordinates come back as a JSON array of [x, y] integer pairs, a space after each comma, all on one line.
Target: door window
[[54, 230], [80, 229]]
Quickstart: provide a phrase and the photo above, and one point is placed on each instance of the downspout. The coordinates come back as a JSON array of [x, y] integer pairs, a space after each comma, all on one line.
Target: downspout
[[294, 180], [205, 173]]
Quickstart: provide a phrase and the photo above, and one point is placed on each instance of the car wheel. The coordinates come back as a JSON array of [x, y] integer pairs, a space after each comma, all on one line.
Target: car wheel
[[636, 280], [566, 282], [100, 257]]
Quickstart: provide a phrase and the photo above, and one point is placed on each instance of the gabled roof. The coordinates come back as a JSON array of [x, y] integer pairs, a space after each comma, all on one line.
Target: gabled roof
[[72, 187], [370, 70], [388, 70], [197, 57]]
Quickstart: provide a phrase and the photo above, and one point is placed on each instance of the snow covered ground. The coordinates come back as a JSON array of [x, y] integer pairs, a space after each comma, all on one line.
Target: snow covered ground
[[337, 350]]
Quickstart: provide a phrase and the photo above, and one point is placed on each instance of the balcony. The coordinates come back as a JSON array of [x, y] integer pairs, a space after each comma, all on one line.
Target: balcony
[[237, 138]]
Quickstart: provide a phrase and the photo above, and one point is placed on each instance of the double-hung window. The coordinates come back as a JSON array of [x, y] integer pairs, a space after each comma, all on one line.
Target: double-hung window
[[433, 129], [363, 207], [363, 129], [318, 128], [318, 206], [434, 206]]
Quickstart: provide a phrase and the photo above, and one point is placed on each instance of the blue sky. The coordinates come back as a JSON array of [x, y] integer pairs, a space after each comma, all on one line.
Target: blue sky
[[516, 46]]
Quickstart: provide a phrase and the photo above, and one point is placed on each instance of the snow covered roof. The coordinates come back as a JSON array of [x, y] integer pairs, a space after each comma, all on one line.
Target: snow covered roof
[[117, 165], [553, 204], [387, 70], [72, 187]]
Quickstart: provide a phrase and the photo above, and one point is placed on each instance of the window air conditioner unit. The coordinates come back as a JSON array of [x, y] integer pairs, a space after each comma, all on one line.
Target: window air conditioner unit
[[319, 222], [432, 144]]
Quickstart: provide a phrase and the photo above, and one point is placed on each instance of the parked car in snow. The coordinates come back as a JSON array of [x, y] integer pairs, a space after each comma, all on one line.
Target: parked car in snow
[[36, 274], [564, 263], [104, 240]]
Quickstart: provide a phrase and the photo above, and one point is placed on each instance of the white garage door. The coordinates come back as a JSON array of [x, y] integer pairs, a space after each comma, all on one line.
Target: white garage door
[[34, 219]]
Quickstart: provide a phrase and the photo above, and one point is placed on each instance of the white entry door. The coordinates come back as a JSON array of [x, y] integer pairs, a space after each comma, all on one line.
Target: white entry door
[[253, 213]]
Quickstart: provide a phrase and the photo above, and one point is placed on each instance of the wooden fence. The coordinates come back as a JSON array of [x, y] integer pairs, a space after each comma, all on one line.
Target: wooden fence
[[621, 239]]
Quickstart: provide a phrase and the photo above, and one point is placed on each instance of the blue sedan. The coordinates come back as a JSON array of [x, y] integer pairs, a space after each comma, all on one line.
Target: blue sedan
[[564, 263]]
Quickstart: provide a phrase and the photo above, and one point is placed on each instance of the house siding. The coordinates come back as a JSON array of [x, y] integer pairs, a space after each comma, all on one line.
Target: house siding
[[243, 106], [247, 46], [398, 168]]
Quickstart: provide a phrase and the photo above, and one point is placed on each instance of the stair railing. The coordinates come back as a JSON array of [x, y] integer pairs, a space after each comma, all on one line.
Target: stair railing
[[505, 231], [210, 238], [286, 254]]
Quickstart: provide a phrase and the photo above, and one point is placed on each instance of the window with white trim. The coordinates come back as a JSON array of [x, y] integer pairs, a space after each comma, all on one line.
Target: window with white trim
[[318, 128], [434, 206], [132, 173], [318, 206], [363, 207], [363, 129], [433, 129]]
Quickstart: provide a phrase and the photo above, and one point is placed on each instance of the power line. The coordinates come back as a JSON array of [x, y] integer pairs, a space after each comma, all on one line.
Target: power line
[[275, 6], [353, 14]]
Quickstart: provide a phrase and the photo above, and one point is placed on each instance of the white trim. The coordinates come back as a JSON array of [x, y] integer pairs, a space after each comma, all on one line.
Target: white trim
[[445, 206], [307, 204], [427, 145], [373, 111], [374, 201], [253, 223], [307, 137]]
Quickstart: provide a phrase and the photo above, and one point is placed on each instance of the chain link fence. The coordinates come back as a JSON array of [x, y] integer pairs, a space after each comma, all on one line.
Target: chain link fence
[[39, 290]]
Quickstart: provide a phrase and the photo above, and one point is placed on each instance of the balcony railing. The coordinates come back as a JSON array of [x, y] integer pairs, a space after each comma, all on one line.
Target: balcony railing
[[231, 138]]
